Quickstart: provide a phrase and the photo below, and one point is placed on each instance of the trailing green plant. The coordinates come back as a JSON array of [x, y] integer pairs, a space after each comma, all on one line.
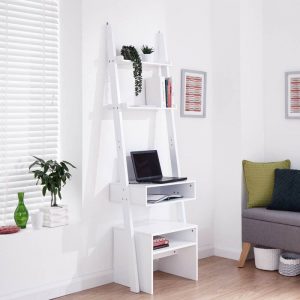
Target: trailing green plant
[[52, 175], [130, 53], [147, 50]]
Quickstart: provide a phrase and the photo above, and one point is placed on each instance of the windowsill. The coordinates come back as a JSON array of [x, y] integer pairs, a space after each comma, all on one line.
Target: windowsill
[[30, 232]]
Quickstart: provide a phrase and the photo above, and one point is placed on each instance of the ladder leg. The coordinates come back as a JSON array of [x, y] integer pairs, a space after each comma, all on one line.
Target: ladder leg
[[170, 119], [133, 273], [122, 162]]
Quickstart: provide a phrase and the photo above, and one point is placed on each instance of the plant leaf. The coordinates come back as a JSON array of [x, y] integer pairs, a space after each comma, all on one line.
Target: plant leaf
[[33, 164], [39, 159], [68, 163], [44, 190]]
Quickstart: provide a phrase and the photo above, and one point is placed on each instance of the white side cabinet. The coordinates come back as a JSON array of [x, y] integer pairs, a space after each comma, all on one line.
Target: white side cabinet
[[180, 258]]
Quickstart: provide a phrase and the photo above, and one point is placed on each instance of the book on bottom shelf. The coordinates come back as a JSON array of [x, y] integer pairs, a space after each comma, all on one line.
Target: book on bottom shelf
[[161, 246], [160, 242]]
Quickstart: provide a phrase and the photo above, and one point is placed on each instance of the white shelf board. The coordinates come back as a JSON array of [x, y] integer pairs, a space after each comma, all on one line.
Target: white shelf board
[[173, 245], [144, 63], [170, 201], [163, 184], [124, 106], [158, 227]]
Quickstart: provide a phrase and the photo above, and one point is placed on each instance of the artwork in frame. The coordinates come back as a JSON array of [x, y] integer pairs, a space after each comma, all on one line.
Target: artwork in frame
[[292, 95], [193, 93]]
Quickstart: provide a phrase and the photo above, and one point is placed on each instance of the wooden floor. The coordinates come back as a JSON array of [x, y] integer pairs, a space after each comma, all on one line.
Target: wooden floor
[[218, 279]]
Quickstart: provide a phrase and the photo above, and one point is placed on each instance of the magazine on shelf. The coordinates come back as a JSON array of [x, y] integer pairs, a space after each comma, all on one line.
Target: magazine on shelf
[[155, 198]]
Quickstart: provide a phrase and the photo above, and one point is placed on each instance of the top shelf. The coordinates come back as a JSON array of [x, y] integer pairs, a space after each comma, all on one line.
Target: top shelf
[[125, 106], [123, 62]]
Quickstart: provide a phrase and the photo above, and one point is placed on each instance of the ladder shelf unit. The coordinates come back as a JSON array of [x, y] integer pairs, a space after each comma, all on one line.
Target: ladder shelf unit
[[134, 257]]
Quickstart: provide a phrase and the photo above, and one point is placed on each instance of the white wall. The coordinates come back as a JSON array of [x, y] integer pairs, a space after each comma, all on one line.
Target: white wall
[[251, 79], [226, 126], [281, 54], [189, 43]]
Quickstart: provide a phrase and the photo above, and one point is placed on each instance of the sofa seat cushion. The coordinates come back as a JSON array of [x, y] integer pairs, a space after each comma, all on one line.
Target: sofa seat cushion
[[274, 216]]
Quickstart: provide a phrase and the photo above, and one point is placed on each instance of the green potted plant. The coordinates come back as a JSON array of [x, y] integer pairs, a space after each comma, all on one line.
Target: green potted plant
[[147, 53], [130, 53], [52, 175]]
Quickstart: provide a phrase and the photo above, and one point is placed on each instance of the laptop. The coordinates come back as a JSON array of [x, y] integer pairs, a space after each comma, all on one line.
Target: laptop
[[147, 168]]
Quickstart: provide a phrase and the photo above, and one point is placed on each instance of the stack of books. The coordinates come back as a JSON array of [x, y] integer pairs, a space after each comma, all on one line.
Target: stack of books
[[55, 216], [168, 91], [160, 242]]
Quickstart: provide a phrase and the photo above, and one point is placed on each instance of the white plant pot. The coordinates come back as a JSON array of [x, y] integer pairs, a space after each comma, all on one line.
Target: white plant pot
[[266, 258], [55, 216], [148, 57]]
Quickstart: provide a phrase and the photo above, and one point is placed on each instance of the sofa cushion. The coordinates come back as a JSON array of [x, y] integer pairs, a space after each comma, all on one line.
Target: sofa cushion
[[274, 216], [259, 178], [286, 194]]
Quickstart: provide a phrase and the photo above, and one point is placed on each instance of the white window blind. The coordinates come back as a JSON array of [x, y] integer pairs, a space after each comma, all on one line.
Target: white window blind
[[29, 112]]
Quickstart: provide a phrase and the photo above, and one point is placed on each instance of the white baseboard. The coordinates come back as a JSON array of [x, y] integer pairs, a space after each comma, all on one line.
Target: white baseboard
[[62, 288], [205, 251], [227, 253]]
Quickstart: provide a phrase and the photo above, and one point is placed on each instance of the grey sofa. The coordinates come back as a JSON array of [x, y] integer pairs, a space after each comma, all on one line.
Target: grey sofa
[[270, 228]]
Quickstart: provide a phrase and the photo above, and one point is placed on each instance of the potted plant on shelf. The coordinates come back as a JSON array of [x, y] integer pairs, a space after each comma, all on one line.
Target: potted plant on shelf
[[52, 175], [130, 53], [147, 53]]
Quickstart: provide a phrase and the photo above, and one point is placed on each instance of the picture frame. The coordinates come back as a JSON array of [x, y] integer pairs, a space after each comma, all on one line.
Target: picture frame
[[292, 95], [193, 94]]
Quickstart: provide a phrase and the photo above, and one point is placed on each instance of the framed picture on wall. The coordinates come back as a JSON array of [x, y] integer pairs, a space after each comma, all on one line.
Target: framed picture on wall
[[292, 95], [193, 93]]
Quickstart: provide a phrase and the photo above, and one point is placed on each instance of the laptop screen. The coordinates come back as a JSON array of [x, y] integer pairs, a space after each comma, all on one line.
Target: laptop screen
[[146, 165]]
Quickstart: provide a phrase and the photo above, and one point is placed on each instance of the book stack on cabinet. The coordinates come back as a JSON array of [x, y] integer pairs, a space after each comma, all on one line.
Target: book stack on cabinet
[[159, 242]]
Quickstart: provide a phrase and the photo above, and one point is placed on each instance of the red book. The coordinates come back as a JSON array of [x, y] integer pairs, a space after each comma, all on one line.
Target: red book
[[159, 243], [158, 238], [169, 92]]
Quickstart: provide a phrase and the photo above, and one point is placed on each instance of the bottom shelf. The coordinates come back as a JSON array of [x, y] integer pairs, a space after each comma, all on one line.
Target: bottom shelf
[[180, 258], [171, 250]]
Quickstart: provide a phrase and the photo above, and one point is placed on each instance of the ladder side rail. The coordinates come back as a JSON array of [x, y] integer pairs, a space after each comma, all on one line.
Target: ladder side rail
[[122, 162], [170, 119]]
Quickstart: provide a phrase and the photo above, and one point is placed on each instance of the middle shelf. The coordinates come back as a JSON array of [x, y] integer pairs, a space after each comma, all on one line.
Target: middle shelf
[[139, 192]]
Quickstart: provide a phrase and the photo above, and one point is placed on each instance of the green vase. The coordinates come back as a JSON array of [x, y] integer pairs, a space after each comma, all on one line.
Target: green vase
[[21, 213]]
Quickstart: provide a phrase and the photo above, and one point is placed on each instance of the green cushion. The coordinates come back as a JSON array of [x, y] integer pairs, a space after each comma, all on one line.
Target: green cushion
[[259, 178]]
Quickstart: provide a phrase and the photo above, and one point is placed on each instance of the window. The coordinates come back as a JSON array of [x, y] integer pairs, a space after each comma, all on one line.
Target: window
[[29, 112]]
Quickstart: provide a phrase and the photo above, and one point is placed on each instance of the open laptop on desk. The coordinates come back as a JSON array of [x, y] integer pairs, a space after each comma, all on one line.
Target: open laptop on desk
[[147, 168]]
